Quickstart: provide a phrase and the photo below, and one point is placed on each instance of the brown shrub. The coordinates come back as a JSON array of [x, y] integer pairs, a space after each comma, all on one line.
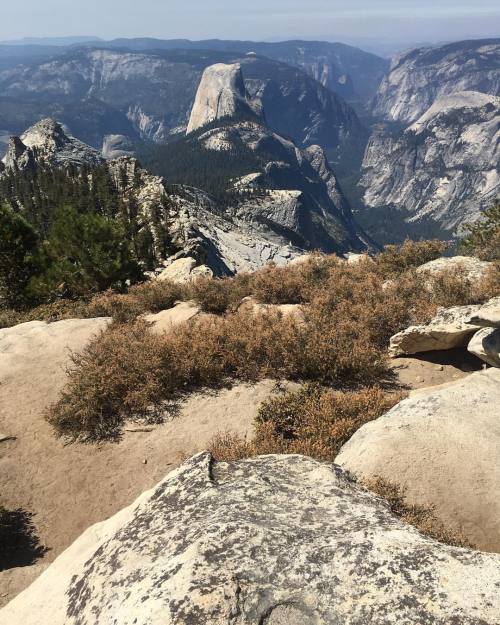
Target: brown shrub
[[421, 517], [312, 421], [396, 259], [490, 285], [148, 297], [218, 295], [294, 284], [8, 318], [120, 374]]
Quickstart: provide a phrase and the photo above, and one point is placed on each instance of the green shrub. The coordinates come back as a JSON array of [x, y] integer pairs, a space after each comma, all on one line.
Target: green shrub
[[482, 238]]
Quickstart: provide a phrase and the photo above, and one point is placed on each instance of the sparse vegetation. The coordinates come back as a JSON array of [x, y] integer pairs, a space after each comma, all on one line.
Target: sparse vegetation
[[421, 517], [349, 312], [312, 421], [396, 259]]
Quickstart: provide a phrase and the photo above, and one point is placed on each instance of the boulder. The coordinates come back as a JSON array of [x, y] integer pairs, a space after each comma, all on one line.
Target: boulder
[[251, 304], [450, 328], [166, 320], [442, 446], [280, 540], [471, 268], [184, 270], [488, 316], [485, 344], [355, 259]]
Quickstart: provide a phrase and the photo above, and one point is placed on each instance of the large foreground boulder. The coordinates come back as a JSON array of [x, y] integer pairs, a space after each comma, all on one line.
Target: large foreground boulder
[[280, 540], [442, 445], [450, 328]]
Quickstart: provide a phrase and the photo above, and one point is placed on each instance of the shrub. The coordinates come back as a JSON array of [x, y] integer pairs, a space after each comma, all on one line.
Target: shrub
[[294, 284], [120, 374], [218, 295], [490, 285], [396, 259], [8, 318], [421, 517], [482, 238], [312, 421]]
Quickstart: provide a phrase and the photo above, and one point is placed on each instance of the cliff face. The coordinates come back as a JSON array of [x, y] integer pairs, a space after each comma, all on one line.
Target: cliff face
[[99, 92], [418, 77], [445, 166], [221, 93], [291, 204]]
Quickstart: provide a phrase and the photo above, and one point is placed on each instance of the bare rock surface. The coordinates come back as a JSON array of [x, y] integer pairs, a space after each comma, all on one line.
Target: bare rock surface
[[167, 320], [47, 142], [450, 328], [420, 76], [441, 445], [488, 316], [70, 487], [485, 344], [444, 167], [250, 304], [469, 267], [221, 93], [273, 539]]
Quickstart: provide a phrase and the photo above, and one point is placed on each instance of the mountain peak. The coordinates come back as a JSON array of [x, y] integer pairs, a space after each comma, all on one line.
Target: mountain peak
[[221, 93], [48, 141]]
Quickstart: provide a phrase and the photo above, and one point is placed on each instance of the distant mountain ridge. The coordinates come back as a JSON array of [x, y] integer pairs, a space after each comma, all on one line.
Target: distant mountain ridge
[[99, 91], [418, 77]]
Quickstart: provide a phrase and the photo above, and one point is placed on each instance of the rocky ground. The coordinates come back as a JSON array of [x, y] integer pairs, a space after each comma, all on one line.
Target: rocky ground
[[70, 487]]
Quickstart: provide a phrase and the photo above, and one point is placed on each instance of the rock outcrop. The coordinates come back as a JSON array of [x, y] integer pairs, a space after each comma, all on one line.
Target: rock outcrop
[[441, 445], [419, 77], [48, 143], [115, 146], [221, 93], [469, 267], [488, 316], [444, 167], [269, 540], [293, 204], [450, 328], [149, 94], [184, 270], [292, 192], [485, 344]]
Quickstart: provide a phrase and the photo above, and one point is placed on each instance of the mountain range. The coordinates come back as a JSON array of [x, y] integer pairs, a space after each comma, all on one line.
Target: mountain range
[[413, 146]]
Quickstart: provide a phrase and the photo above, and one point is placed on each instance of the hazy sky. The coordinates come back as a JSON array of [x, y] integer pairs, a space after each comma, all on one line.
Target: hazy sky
[[422, 20]]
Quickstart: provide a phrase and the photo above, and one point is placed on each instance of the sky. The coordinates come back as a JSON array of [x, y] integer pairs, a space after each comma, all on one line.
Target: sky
[[333, 20]]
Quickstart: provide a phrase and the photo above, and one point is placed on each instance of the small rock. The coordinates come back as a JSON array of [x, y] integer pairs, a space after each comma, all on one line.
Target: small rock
[[440, 368], [144, 461]]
